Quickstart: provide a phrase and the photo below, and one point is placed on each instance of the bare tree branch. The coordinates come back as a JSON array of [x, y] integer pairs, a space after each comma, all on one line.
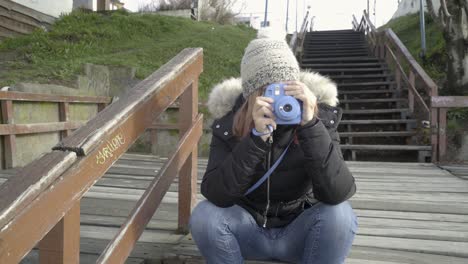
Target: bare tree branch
[[430, 7], [447, 16]]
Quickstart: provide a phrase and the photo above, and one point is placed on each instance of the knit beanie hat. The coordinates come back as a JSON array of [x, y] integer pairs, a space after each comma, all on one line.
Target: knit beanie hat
[[267, 59]]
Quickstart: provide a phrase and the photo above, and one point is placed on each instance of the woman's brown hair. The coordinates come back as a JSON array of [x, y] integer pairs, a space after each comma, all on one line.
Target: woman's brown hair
[[243, 120]]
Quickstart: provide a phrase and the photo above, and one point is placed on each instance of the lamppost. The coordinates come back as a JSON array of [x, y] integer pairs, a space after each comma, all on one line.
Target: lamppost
[[266, 11], [423, 29], [367, 7], [287, 16], [296, 15]]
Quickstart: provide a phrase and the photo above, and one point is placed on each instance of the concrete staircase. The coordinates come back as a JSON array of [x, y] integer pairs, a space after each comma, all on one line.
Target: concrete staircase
[[376, 123]]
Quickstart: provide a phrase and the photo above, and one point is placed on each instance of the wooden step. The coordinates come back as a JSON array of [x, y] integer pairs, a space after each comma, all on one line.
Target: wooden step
[[362, 48], [381, 91], [336, 32], [335, 54], [345, 70], [375, 111], [386, 147], [362, 76], [344, 59], [344, 65], [373, 134], [332, 45], [327, 41], [373, 100], [357, 84], [378, 122]]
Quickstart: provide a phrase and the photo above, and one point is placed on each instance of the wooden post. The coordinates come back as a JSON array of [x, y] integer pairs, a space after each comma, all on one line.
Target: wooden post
[[103, 5], [63, 116], [9, 141], [101, 106], [188, 174], [435, 134], [442, 134], [62, 244], [412, 81]]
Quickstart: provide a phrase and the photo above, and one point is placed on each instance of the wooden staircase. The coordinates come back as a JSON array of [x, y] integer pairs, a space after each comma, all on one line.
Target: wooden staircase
[[376, 123]]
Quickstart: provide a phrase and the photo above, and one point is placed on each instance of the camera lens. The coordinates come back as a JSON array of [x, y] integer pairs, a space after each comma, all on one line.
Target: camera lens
[[287, 108]]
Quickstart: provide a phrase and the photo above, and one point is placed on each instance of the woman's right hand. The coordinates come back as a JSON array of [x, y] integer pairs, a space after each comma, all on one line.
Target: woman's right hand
[[262, 114]]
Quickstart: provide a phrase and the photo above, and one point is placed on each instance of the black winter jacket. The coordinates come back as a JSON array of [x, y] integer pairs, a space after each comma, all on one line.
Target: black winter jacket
[[312, 169]]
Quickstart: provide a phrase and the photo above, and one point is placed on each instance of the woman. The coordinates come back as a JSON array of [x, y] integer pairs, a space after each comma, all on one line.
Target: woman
[[300, 213]]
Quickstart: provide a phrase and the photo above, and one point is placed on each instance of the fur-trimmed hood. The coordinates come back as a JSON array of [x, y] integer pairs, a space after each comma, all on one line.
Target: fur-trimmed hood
[[223, 96]]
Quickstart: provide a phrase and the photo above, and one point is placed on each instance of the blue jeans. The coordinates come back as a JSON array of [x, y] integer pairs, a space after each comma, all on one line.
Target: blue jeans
[[321, 234]]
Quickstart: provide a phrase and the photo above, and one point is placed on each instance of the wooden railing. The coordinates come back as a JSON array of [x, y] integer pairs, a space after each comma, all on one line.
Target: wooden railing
[[9, 129], [41, 203], [408, 73], [439, 107]]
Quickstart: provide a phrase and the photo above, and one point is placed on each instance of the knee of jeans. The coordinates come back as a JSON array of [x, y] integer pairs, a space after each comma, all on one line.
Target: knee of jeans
[[340, 216], [205, 219]]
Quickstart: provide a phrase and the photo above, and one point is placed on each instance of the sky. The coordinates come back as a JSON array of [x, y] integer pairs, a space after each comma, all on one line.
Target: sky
[[329, 14]]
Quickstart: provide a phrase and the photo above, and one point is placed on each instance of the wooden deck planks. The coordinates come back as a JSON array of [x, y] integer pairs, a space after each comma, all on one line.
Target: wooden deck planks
[[408, 213]]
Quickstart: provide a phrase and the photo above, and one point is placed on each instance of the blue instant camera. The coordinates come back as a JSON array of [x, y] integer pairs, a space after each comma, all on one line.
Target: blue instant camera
[[287, 109]]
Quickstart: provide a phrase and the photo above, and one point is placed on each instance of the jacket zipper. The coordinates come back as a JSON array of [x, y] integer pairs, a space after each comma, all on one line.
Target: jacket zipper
[[265, 217]]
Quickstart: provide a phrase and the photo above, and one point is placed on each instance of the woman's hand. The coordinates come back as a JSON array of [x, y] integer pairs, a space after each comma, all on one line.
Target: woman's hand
[[262, 114], [300, 91]]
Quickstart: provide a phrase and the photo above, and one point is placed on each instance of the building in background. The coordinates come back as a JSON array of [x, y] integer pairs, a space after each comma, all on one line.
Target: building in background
[[407, 7]]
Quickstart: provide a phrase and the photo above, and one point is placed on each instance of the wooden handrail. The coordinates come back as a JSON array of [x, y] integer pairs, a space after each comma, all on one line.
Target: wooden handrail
[[439, 107], [429, 85], [387, 46], [44, 197]]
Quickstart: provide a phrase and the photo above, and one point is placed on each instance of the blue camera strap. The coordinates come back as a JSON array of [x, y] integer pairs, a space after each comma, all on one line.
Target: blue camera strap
[[269, 172]]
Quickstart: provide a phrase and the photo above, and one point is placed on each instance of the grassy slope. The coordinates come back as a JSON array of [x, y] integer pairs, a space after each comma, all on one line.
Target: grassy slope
[[408, 30], [142, 41]]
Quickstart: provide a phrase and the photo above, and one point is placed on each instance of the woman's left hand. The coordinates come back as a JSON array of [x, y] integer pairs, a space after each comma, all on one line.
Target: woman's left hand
[[300, 91]]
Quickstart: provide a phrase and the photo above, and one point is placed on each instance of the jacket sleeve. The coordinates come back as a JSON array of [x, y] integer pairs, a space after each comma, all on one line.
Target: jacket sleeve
[[332, 181], [228, 174]]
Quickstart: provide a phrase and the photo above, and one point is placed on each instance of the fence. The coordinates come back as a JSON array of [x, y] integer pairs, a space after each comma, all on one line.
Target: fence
[[9, 129], [41, 204]]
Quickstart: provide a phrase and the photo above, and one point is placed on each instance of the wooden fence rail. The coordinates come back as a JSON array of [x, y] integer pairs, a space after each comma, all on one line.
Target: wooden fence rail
[[439, 107], [41, 203], [9, 129]]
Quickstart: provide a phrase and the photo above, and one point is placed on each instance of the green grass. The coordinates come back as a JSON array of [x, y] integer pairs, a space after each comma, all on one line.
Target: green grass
[[408, 30], [118, 38]]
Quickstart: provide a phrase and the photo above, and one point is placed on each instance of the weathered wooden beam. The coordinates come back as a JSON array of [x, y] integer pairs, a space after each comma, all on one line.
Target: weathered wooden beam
[[34, 97], [429, 84], [442, 134], [435, 134], [188, 174], [21, 189], [449, 101], [121, 246], [9, 141], [16, 129], [62, 244], [64, 112]]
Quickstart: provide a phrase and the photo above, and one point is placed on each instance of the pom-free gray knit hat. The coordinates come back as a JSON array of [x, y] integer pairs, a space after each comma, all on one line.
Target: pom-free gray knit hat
[[267, 59]]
